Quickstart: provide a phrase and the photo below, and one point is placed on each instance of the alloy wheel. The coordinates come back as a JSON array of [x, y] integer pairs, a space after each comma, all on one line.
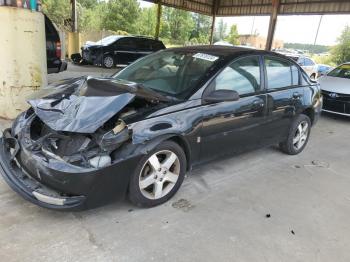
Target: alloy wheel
[[301, 134], [159, 174], [108, 61]]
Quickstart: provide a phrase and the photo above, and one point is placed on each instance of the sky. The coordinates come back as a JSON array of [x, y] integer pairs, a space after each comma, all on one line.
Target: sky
[[290, 29]]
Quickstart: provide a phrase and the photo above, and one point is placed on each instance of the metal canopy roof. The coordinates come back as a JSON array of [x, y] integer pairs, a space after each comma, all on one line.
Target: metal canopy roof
[[258, 7]]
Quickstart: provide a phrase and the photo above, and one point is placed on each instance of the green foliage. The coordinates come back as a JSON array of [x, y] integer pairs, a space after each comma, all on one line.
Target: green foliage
[[233, 36], [314, 49], [121, 15], [220, 31], [341, 52], [324, 59], [178, 27], [147, 21], [58, 11]]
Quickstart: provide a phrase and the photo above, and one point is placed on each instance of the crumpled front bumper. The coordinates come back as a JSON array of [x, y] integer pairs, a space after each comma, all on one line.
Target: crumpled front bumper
[[59, 186], [26, 186]]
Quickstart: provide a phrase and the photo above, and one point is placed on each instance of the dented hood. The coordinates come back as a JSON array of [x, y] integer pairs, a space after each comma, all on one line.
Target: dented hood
[[84, 104]]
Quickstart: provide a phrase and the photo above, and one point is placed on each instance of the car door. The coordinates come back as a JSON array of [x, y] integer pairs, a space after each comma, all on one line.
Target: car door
[[284, 96], [125, 51], [234, 126], [143, 47]]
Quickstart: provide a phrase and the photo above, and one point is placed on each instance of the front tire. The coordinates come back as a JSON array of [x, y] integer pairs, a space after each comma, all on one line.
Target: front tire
[[158, 175], [298, 136]]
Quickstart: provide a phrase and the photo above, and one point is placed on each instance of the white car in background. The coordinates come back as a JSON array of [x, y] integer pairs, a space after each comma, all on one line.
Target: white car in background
[[306, 63], [335, 87]]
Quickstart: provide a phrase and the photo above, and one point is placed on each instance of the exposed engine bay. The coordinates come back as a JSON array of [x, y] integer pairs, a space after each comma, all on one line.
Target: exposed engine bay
[[85, 124]]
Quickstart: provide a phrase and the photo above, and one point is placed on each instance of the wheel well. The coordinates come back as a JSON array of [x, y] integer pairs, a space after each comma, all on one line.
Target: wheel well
[[183, 144], [310, 113]]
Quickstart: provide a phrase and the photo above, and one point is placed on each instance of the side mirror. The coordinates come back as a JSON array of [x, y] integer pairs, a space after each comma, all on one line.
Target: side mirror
[[221, 96]]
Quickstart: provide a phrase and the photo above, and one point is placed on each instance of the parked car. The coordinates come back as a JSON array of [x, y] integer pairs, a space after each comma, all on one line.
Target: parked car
[[306, 63], [53, 49], [323, 69], [335, 88], [118, 50], [88, 140]]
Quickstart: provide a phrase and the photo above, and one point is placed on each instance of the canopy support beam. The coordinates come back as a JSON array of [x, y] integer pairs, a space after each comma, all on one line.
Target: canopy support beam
[[159, 15], [214, 12], [272, 24]]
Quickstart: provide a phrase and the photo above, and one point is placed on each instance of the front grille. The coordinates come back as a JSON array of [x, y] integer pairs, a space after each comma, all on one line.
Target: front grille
[[336, 102], [336, 96]]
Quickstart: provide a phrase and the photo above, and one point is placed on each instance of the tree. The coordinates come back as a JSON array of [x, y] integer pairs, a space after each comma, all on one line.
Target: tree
[[122, 15], [177, 25], [341, 52], [220, 32], [147, 21], [233, 35], [59, 12], [200, 32]]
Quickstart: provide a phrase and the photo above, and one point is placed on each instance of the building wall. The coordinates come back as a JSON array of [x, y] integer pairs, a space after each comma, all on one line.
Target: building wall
[[23, 58]]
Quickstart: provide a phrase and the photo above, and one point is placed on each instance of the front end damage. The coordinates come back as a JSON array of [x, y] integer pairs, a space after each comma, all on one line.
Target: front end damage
[[73, 149]]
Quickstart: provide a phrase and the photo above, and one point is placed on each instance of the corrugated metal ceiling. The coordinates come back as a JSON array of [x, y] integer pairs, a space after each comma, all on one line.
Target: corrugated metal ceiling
[[259, 7]]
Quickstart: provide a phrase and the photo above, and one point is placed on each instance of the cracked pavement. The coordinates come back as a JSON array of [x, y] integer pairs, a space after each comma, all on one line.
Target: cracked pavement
[[219, 213]]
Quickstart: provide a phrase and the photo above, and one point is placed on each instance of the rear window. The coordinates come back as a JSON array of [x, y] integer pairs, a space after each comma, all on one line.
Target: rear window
[[279, 73]]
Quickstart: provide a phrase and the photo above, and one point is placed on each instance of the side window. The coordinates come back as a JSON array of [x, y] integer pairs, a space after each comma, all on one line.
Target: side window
[[126, 43], [157, 45], [278, 73], [295, 75], [242, 76], [309, 62], [301, 61], [142, 44]]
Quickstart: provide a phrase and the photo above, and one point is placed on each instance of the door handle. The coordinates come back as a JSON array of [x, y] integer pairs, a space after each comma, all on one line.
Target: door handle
[[257, 104], [296, 95]]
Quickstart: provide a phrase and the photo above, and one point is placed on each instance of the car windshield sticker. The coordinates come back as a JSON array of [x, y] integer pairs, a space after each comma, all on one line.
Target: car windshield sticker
[[207, 57]]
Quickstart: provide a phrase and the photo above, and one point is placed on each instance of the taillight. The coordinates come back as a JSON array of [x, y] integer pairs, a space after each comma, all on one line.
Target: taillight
[[58, 50]]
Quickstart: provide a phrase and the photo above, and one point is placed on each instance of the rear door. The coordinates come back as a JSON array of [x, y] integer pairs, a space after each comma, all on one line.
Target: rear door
[[234, 126], [125, 51], [284, 96], [143, 47]]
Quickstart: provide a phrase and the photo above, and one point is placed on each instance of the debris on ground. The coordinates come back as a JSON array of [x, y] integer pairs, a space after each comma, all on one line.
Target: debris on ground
[[320, 163], [268, 215], [292, 231], [182, 204]]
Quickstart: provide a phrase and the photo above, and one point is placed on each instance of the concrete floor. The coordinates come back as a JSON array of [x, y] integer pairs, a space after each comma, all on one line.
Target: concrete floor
[[219, 213]]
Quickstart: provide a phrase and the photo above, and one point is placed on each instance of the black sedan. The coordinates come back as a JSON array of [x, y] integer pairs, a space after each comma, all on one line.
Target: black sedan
[[118, 50], [86, 141]]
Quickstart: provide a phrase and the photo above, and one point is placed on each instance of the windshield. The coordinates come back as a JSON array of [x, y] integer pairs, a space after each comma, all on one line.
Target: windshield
[[342, 71], [175, 73]]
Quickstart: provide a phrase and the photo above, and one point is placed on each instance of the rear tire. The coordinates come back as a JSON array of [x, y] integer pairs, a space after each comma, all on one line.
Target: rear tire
[[298, 136], [158, 175]]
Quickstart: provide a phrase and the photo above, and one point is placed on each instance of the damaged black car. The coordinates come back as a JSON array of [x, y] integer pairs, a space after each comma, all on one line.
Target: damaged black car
[[87, 141]]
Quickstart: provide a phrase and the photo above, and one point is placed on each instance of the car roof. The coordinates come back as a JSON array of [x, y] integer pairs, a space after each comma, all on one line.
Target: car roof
[[137, 36], [220, 50]]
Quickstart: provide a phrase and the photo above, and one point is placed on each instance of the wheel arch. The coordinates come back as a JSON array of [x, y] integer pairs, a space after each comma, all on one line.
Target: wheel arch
[[310, 113]]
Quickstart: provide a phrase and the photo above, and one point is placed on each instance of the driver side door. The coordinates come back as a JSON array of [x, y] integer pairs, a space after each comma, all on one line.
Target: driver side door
[[234, 126]]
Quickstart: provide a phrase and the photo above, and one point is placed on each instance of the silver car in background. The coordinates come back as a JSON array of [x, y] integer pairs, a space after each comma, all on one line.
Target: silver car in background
[[335, 87]]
